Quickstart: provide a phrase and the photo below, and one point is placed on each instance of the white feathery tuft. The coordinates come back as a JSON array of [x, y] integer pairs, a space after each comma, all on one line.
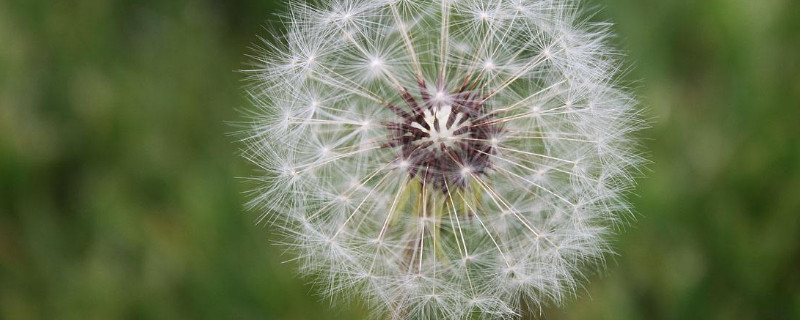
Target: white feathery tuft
[[443, 159]]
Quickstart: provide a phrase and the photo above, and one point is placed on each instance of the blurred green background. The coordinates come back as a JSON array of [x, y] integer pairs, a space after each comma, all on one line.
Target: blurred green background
[[119, 197]]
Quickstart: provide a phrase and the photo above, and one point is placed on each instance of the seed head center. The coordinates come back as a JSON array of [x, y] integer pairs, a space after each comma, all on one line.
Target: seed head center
[[442, 127], [443, 142]]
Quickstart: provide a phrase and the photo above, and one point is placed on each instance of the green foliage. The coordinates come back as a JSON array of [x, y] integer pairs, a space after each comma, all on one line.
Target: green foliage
[[118, 196]]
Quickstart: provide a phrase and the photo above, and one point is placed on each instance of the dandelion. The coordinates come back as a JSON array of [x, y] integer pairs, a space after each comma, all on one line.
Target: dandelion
[[443, 159]]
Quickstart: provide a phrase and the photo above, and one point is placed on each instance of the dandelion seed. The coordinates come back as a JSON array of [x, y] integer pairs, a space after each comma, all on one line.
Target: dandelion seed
[[442, 159]]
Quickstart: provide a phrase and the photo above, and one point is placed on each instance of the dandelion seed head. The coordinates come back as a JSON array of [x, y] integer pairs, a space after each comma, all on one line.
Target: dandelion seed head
[[442, 159]]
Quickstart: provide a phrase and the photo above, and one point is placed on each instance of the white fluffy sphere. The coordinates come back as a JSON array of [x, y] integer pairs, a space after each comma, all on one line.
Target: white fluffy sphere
[[442, 159]]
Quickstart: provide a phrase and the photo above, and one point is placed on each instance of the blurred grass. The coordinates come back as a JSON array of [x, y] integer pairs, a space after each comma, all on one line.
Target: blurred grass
[[118, 196]]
